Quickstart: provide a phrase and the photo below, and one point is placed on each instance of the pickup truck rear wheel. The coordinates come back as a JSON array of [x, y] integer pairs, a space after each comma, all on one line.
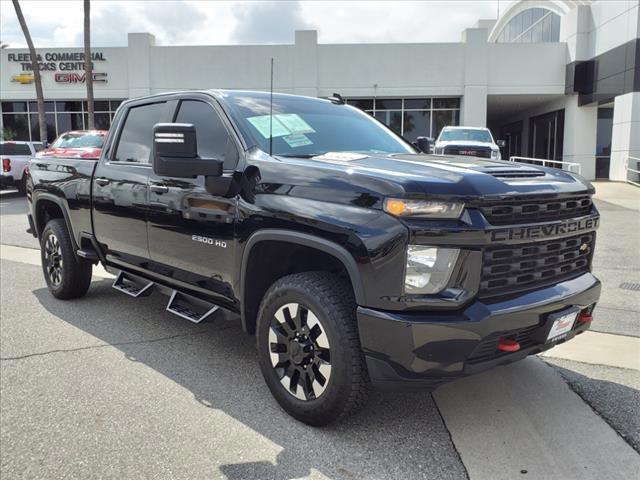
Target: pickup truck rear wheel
[[22, 185], [67, 276], [309, 349]]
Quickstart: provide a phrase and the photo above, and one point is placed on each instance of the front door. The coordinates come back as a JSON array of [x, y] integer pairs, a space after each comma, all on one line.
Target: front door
[[191, 231], [120, 188]]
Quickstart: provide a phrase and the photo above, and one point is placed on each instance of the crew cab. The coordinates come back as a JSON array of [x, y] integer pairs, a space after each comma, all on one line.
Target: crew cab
[[469, 141], [354, 259], [15, 159]]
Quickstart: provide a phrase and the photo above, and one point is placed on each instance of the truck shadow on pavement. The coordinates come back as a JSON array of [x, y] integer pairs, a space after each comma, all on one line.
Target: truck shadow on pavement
[[395, 436]]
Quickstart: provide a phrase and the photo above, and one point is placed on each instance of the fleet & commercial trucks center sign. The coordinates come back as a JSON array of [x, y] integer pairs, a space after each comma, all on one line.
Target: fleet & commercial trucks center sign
[[67, 67]]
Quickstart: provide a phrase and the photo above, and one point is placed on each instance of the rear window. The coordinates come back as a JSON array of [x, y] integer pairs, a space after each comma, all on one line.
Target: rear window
[[14, 149], [79, 140]]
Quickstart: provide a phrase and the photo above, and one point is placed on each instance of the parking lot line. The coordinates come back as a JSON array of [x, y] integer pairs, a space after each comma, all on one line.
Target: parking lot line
[[600, 349], [524, 419]]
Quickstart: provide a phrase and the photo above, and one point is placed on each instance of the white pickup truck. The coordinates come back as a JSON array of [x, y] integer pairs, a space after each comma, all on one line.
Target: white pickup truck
[[15, 158], [472, 141]]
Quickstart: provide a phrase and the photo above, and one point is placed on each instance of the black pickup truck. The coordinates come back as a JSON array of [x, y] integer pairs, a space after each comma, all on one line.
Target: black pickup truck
[[354, 259]]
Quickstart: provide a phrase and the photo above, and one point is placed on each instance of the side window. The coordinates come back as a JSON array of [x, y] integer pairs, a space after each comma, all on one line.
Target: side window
[[135, 140], [212, 137]]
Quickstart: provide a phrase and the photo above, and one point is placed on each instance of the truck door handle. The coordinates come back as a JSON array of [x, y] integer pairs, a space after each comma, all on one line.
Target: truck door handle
[[102, 181], [159, 188]]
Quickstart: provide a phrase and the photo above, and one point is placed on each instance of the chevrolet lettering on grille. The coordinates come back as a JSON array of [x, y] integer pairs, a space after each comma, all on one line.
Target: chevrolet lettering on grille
[[544, 231]]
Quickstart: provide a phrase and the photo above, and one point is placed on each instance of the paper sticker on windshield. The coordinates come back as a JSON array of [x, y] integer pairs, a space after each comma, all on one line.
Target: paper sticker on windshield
[[297, 140], [294, 123], [264, 126]]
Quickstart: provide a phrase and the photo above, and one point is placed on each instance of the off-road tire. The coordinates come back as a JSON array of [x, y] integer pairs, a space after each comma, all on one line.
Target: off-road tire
[[72, 275], [331, 301], [21, 185]]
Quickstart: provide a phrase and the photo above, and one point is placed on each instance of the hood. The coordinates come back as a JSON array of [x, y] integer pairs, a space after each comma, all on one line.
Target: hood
[[467, 143], [84, 152], [419, 175]]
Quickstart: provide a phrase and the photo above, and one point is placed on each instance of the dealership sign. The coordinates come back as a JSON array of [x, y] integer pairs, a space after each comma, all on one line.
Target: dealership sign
[[68, 67]]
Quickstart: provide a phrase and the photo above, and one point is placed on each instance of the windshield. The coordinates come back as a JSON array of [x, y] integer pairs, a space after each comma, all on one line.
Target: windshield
[[468, 134], [304, 126], [79, 140]]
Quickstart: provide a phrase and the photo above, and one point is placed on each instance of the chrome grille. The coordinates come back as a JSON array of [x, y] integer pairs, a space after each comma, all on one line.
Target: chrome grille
[[535, 209], [484, 152], [515, 268]]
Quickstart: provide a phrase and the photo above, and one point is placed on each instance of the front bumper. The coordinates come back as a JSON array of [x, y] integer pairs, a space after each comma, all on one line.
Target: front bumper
[[426, 349]]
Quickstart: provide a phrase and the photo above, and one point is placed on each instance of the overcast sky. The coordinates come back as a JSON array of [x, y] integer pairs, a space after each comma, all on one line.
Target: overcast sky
[[59, 23]]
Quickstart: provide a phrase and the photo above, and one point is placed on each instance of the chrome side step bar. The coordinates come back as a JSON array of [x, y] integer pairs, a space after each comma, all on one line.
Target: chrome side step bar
[[191, 308], [132, 285]]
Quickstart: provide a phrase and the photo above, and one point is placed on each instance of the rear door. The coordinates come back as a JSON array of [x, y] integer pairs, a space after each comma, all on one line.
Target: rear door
[[191, 230], [120, 187]]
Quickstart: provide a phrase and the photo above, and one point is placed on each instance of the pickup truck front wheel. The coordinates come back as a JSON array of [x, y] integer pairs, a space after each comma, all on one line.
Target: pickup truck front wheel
[[67, 276], [309, 349]]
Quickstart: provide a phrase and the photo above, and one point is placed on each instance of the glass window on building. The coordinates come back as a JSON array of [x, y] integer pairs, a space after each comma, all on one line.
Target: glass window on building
[[51, 127], [412, 117], [534, 25], [20, 118]]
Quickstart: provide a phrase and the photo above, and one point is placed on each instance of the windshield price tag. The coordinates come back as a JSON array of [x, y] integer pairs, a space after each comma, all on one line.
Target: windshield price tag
[[297, 140], [295, 123], [262, 123]]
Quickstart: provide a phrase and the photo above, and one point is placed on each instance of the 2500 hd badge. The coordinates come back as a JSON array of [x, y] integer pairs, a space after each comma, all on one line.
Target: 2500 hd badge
[[209, 241], [355, 259]]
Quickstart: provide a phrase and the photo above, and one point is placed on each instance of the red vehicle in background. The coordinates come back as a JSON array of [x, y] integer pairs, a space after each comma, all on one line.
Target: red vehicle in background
[[76, 144]]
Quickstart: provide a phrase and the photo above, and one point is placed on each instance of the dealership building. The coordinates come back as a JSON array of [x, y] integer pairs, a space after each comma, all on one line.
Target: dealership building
[[556, 80]]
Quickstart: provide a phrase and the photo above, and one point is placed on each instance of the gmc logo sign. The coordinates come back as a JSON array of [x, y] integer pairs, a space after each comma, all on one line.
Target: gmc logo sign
[[467, 152], [79, 77]]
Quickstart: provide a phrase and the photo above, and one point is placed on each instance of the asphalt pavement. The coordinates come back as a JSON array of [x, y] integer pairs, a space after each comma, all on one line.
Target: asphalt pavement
[[109, 386]]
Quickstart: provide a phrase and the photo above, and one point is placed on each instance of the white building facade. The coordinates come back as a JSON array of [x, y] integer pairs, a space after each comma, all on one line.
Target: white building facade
[[554, 79]]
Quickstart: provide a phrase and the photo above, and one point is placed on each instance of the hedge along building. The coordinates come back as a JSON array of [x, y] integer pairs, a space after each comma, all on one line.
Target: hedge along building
[[554, 79]]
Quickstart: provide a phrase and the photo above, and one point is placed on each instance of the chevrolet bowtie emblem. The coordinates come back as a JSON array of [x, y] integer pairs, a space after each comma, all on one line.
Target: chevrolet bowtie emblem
[[23, 78]]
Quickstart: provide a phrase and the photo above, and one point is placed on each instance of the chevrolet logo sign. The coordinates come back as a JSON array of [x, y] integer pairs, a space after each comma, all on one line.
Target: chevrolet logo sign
[[23, 78], [545, 231]]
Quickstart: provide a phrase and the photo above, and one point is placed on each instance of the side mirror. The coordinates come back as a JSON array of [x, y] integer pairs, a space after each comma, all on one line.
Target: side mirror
[[425, 144], [501, 143], [175, 152]]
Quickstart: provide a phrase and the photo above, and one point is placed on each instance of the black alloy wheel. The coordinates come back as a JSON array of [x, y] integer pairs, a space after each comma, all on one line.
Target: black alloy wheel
[[53, 260], [300, 351]]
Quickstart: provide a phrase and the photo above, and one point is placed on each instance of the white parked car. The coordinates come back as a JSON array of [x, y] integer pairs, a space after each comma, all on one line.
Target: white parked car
[[15, 159], [472, 141]]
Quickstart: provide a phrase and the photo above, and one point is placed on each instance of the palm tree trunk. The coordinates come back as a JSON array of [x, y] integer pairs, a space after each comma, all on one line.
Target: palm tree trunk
[[88, 66], [42, 119]]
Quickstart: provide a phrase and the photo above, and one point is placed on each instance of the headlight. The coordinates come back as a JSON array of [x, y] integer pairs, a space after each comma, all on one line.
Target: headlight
[[422, 208], [495, 154], [428, 269]]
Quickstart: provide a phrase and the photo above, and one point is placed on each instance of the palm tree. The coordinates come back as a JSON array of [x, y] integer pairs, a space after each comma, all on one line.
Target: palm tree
[[88, 67], [42, 119]]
